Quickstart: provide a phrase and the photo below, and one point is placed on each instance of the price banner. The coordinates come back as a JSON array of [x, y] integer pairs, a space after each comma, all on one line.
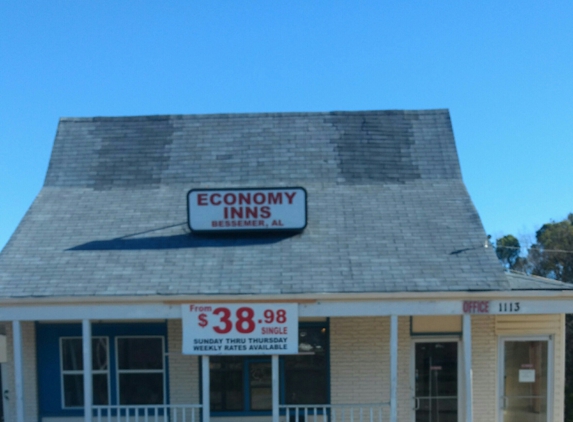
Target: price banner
[[240, 329]]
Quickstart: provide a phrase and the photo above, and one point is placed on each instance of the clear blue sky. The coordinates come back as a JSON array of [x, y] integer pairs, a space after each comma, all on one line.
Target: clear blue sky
[[503, 68]]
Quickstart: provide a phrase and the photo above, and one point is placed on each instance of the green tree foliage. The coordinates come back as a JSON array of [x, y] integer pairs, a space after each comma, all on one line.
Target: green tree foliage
[[552, 257], [507, 249]]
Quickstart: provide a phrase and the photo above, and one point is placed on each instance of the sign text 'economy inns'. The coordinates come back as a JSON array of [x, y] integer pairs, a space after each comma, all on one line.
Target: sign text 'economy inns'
[[247, 209]]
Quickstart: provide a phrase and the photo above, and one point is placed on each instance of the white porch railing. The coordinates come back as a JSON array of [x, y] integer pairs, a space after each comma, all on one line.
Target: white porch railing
[[148, 413], [372, 412]]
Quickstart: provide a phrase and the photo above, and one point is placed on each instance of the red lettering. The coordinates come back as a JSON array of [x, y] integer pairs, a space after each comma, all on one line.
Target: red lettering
[[244, 198], [236, 212], [265, 212], [202, 199], [290, 197], [251, 212], [275, 198], [226, 212], [259, 198], [476, 307], [218, 195], [230, 198]]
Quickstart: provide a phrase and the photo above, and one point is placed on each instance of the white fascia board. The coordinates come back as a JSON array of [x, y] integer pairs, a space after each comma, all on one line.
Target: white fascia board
[[299, 298], [146, 311], [90, 312], [513, 306]]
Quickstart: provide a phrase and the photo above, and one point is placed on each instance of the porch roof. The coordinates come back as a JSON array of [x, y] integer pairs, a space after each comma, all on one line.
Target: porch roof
[[387, 208]]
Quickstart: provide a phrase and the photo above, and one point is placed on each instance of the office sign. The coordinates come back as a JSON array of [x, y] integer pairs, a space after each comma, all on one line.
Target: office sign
[[262, 209], [240, 329]]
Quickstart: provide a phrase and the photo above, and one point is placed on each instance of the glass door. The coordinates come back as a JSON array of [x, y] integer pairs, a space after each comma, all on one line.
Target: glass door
[[524, 380], [436, 381]]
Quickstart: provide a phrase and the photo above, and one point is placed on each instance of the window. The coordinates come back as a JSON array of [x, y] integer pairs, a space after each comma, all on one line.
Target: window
[[306, 374], [243, 384], [140, 370], [72, 371], [129, 366]]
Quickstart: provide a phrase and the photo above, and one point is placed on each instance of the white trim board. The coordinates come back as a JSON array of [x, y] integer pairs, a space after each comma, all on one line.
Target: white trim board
[[146, 311]]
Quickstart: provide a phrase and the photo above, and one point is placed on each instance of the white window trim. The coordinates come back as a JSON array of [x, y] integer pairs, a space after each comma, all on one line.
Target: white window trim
[[436, 339], [550, 368], [81, 372], [139, 371]]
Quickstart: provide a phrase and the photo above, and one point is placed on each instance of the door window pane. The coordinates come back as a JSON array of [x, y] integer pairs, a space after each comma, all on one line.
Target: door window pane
[[525, 381], [260, 383], [436, 381]]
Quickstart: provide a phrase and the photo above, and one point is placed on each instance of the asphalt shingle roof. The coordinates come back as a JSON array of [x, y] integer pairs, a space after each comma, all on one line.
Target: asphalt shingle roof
[[387, 208]]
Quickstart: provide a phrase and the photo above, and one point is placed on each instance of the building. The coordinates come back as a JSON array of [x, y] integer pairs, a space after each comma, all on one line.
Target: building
[[356, 282]]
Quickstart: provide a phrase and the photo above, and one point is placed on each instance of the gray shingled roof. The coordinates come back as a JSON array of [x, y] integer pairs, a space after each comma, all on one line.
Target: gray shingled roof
[[387, 208], [521, 281]]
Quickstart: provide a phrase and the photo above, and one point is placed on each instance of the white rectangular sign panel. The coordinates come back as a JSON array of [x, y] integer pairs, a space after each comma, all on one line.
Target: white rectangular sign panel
[[240, 329], [262, 209]]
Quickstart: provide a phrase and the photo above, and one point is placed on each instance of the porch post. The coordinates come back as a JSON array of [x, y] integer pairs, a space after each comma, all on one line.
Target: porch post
[[18, 370], [393, 368], [275, 377], [87, 358], [468, 372], [205, 378]]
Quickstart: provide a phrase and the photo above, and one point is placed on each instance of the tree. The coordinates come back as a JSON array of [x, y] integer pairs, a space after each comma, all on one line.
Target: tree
[[507, 249]]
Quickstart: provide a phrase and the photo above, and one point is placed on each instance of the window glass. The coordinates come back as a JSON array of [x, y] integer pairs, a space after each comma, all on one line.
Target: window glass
[[72, 371], [226, 390], [140, 370], [140, 353], [144, 388], [306, 374]]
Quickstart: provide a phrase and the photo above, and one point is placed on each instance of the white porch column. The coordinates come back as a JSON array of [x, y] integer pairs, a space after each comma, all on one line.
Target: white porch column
[[468, 372], [275, 377], [87, 358], [18, 370], [393, 368], [205, 378]]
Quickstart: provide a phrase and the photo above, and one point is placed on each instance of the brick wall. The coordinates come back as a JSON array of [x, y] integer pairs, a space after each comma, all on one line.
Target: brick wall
[[484, 356], [29, 370], [183, 369]]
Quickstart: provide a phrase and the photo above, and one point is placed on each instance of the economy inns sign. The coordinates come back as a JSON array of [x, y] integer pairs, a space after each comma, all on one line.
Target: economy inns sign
[[247, 209]]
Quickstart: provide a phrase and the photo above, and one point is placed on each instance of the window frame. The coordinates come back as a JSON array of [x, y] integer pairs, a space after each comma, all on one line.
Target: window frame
[[118, 371], [247, 360], [64, 372]]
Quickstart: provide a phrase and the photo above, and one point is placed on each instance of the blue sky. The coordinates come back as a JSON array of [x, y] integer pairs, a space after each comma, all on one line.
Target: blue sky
[[503, 69]]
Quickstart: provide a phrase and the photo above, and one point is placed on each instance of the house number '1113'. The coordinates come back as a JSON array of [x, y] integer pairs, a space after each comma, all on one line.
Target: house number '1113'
[[508, 307]]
